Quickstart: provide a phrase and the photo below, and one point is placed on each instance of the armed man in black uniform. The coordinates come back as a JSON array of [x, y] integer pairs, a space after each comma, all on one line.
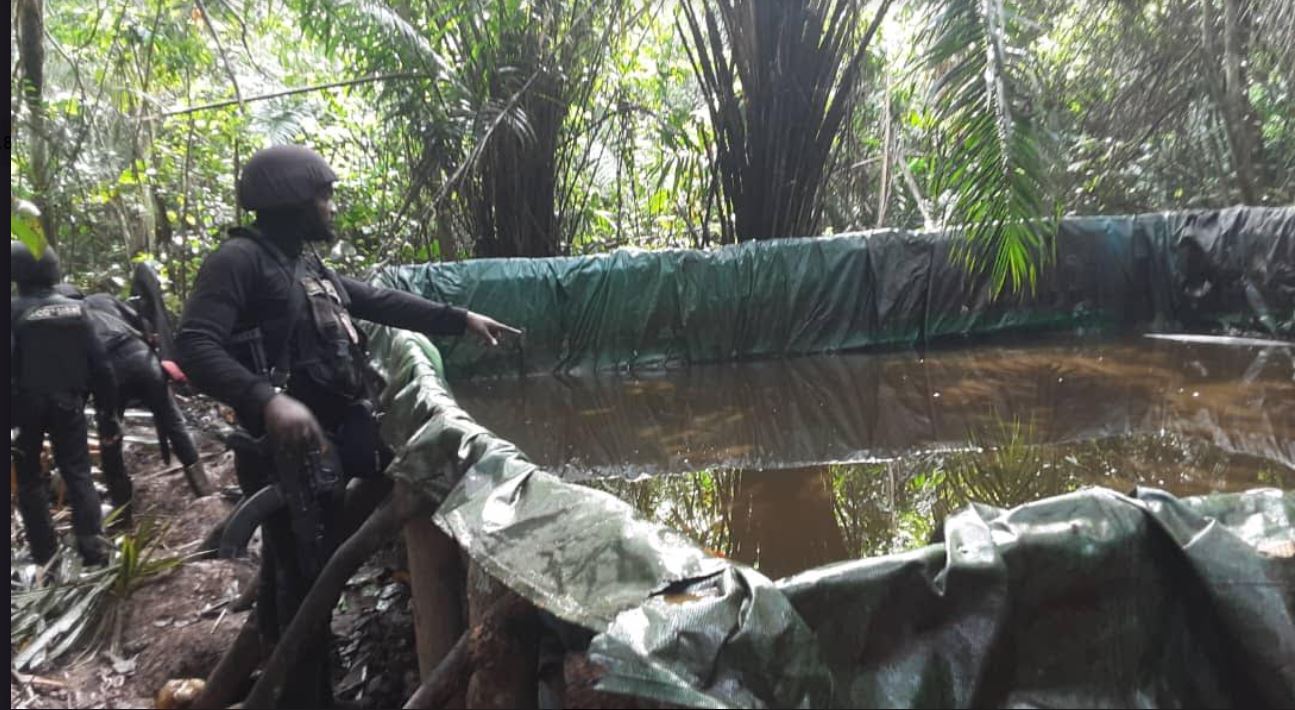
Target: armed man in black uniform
[[56, 361], [140, 381], [268, 331]]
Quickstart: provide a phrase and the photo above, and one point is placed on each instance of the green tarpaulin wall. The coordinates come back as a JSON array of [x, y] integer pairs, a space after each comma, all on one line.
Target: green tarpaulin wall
[[1093, 598], [1218, 270]]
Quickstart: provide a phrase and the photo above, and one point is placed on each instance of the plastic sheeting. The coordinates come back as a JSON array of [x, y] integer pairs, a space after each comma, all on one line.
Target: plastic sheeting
[[1236, 268], [634, 309], [1086, 600], [1091, 599]]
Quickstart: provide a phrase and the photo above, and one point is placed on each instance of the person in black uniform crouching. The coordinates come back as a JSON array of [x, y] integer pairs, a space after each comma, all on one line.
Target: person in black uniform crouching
[[141, 380], [55, 361], [268, 331]]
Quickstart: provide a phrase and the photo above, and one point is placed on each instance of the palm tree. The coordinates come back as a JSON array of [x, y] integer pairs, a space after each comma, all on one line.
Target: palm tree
[[779, 79], [492, 124]]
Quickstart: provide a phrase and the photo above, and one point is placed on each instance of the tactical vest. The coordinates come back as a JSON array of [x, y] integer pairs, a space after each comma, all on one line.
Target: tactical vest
[[323, 351], [323, 361], [52, 342], [330, 352]]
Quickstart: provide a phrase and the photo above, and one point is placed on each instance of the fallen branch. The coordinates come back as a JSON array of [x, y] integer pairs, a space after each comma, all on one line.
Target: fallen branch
[[447, 680], [362, 498], [281, 94], [25, 679], [178, 467], [233, 670]]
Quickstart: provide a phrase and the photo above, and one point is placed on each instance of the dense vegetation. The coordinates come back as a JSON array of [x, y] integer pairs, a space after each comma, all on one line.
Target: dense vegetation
[[541, 127]]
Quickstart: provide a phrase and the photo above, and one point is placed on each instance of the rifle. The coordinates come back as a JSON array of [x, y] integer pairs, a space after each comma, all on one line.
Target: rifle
[[303, 482]]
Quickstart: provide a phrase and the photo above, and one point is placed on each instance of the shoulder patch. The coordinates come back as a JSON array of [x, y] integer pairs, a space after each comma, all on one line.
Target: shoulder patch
[[55, 311]]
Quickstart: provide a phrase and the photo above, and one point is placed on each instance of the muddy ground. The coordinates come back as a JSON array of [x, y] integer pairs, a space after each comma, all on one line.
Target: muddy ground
[[180, 623]]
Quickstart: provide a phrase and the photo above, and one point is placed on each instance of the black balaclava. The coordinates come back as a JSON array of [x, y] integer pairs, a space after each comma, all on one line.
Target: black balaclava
[[290, 228]]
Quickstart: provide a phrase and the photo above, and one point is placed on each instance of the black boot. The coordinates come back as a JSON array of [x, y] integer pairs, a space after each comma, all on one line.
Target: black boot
[[94, 550], [196, 474]]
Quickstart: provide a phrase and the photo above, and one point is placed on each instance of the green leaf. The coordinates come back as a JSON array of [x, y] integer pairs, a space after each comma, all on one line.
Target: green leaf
[[28, 231], [68, 621]]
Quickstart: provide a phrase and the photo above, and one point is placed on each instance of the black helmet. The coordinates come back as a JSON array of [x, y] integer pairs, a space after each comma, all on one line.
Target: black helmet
[[283, 176], [26, 270], [21, 261]]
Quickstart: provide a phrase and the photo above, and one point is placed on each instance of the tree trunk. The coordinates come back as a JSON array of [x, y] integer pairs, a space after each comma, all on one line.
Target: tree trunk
[[140, 238], [1243, 122], [31, 58], [1230, 92], [517, 190]]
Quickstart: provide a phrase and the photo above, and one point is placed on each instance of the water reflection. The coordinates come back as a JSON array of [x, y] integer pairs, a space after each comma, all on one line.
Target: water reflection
[[787, 520], [746, 458]]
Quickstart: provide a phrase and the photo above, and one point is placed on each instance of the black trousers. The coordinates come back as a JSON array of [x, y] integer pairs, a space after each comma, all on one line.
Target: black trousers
[[142, 381], [62, 416]]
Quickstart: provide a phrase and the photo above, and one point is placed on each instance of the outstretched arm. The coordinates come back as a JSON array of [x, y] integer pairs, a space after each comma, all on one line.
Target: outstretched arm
[[405, 310]]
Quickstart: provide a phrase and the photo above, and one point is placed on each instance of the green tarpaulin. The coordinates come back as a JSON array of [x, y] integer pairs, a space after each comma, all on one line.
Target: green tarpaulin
[[632, 309], [1089, 599]]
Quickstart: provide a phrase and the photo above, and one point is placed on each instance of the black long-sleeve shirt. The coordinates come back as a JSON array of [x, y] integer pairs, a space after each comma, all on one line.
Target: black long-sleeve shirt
[[245, 285], [115, 322]]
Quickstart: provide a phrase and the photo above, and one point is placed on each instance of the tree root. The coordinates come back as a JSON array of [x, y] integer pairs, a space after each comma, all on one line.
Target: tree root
[[233, 670], [380, 527]]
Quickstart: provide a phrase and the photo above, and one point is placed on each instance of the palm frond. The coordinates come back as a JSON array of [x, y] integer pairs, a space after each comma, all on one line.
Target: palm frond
[[24, 225], [990, 173], [508, 114], [281, 120], [48, 621], [380, 31], [1006, 468]]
